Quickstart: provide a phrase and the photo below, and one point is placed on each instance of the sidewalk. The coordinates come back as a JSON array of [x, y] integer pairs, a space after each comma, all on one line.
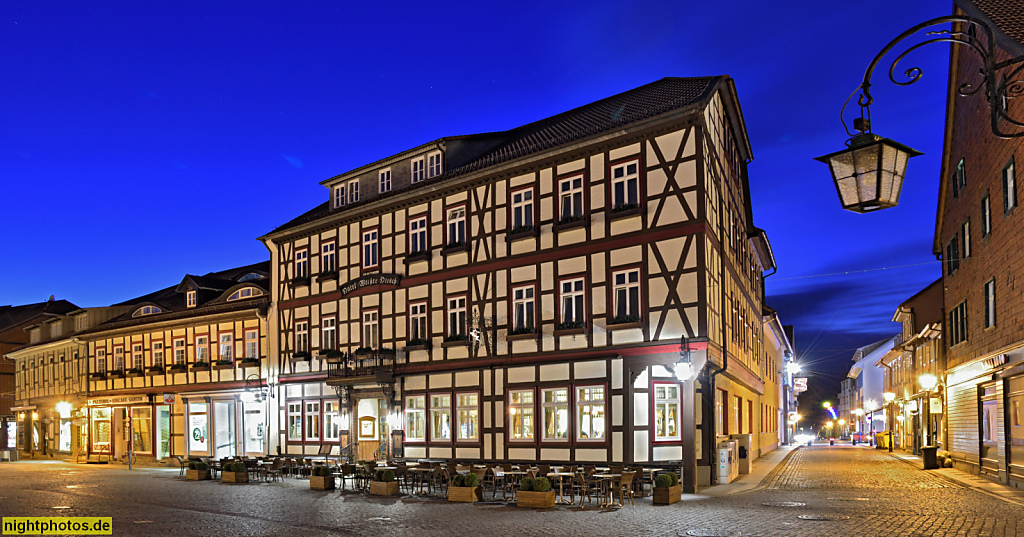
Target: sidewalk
[[760, 469], [976, 482]]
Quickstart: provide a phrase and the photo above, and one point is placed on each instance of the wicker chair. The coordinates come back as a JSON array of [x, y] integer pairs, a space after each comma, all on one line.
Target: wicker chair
[[624, 486], [584, 486], [275, 471]]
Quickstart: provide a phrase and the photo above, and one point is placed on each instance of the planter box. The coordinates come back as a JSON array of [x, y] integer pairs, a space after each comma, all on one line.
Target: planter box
[[197, 475], [321, 482], [177, 368], [224, 364], [248, 362], [154, 371], [521, 337], [234, 477], [667, 496], [201, 366], [455, 343], [380, 488], [466, 494], [422, 255], [534, 499]]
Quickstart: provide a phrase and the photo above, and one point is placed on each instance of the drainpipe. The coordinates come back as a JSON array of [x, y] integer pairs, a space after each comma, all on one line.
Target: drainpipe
[[725, 340]]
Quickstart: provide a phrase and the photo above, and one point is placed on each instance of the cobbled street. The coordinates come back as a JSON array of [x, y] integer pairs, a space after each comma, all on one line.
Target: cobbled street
[[859, 491]]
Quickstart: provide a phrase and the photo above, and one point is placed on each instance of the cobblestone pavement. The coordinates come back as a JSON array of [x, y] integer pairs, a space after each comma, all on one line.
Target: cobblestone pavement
[[879, 494]]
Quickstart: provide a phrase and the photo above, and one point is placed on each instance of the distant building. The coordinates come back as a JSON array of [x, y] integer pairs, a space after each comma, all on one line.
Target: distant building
[[861, 401]]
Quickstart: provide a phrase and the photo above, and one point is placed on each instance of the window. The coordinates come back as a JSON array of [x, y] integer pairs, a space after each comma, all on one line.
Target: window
[[339, 195], [522, 210], [190, 299], [958, 324], [294, 421], [626, 185], [331, 421], [570, 199], [146, 310], [328, 338], [245, 292], [555, 413], [457, 317], [418, 321], [179, 352], [313, 420], [327, 259], [952, 256], [142, 421], [137, 356], [418, 235], [81, 323], [415, 420], [370, 249], [990, 303], [573, 312], [371, 333], [101, 361], [959, 178], [523, 309], [385, 180], [417, 170], [301, 263], [433, 164], [626, 295], [590, 413], [520, 415], [666, 412], [252, 344], [986, 216], [227, 347], [456, 219], [55, 329], [158, 353], [965, 233], [468, 415], [301, 337], [353, 191], [440, 417], [1009, 187], [202, 349]]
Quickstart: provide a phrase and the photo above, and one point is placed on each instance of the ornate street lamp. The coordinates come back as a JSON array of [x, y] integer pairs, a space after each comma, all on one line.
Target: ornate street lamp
[[869, 173]]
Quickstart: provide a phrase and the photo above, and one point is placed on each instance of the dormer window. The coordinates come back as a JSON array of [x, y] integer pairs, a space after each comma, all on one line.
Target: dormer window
[[250, 277], [35, 335], [245, 292], [55, 329], [190, 299], [434, 164], [347, 192], [147, 310], [417, 170]]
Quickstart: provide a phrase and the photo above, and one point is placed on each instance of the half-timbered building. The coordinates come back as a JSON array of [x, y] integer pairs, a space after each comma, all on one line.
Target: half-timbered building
[[523, 295], [183, 371]]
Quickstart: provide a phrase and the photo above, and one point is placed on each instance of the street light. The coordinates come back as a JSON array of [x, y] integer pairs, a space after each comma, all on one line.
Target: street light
[[889, 398], [869, 173]]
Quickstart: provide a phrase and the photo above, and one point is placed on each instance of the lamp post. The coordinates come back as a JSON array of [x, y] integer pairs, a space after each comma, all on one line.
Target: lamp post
[[687, 368], [889, 398], [928, 382], [869, 173]]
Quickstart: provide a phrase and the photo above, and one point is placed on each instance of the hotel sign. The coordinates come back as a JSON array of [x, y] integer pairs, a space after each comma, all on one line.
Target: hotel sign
[[122, 400], [799, 384], [371, 281]]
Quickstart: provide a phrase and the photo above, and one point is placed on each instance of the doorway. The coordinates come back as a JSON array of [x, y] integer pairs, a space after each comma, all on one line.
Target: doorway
[[224, 432], [163, 431]]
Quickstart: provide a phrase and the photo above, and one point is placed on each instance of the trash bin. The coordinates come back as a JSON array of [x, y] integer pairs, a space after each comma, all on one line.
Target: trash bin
[[928, 455]]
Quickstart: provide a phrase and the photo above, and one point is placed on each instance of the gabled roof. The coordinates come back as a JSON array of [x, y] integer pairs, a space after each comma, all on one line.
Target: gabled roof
[[12, 316], [494, 148]]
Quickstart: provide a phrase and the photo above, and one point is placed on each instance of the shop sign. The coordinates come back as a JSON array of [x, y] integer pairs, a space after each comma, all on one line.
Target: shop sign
[[370, 281], [121, 400], [799, 384], [935, 405], [169, 398]]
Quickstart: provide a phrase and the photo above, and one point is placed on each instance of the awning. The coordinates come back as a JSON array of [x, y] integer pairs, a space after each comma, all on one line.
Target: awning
[[25, 407]]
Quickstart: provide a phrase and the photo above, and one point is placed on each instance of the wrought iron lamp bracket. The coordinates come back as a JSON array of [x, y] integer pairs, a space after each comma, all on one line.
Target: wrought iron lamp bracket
[[999, 87]]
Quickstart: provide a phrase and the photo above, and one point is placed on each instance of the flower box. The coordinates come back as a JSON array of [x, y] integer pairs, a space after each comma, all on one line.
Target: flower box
[[532, 334], [98, 376], [177, 368], [300, 281], [622, 325], [667, 495], [383, 488], [417, 345], [535, 500], [234, 477], [466, 494], [117, 374], [455, 248], [301, 356], [224, 364], [201, 366], [570, 223], [320, 482], [625, 210], [154, 371], [420, 255], [135, 372], [327, 276], [249, 362], [525, 232], [197, 475], [573, 331]]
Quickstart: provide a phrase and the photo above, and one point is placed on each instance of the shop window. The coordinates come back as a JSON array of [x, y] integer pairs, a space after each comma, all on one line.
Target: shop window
[[468, 414], [590, 415], [440, 417], [198, 439], [295, 421], [666, 412], [313, 420], [520, 415], [555, 413], [415, 420], [331, 421], [142, 429]]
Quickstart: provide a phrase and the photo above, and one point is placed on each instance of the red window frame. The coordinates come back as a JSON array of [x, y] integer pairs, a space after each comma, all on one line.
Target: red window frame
[[362, 248], [570, 433], [320, 255], [245, 342], [448, 332], [641, 191], [654, 407], [586, 296], [558, 194], [607, 413], [163, 349], [611, 290], [511, 217], [362, 327], [427, 318], [447, 209], [295, 262], [408, 227], [479, 418], [220, 333], [430, 418], [426, 418], [536, 416], [536, 304]]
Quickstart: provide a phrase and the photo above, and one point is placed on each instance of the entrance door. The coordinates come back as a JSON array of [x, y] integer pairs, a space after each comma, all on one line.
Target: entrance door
[[163, 431], [989, 430], [1015, 427], [224, 432], [255, 426]]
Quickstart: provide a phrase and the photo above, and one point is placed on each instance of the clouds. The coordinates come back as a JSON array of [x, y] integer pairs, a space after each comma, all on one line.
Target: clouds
[[294, 161]]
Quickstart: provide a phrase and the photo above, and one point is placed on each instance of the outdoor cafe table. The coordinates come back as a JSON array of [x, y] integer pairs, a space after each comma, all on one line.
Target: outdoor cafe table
[[501, 474], [606, 488], [561, 476], [422, 474]]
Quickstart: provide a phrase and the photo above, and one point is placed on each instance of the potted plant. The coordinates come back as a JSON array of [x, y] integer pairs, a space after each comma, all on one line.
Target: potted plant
[[234, 472], [201, 366], [333, 356], [300, 356], [364, 351], [667, 489], [322, 478], [384, 483], [535, 493], [197, 471], [417, 344], [465, 488], [224, 364]]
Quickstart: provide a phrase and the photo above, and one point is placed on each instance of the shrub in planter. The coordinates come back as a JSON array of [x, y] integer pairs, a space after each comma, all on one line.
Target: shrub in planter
[[535, 493], [234, 472], [321, 478], [197, 471], [667, 489], [465, 488], [384, 483]]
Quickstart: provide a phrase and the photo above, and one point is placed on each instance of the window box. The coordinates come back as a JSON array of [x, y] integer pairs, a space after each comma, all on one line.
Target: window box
[[224, 364], [417, 344], [570, 222], [98, 376], [177, 368], [333, 356], [201, 366], [571, 328], [419, 255], [625, 210], [135, 372], [300, 281], [455, 341], [117, 374], [249, 362], [454, 248], [518, 334], [626, 321], [301, 356], [154, 371], [327, 276], [364, 351], [522, 232]]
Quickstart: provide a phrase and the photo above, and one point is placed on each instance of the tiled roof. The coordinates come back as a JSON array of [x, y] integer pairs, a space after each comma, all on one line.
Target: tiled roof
[[613, 112], [11, 316], [1008, 15]]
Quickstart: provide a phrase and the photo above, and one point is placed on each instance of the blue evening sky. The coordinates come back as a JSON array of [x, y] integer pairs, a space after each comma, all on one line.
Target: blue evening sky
[[140, 141]]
